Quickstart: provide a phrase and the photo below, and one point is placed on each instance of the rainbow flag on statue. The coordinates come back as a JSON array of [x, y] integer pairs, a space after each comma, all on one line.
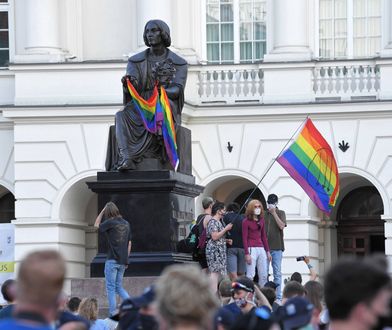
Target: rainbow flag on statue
[[310, 161], [156, 113]]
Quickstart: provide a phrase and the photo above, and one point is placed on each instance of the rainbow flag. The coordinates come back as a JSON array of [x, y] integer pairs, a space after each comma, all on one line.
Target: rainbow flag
[[310, 161], [157, 116], [168, 129], [147, 109]]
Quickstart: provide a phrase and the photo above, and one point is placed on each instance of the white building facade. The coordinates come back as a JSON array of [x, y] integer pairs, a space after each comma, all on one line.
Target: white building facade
[[257, 70]]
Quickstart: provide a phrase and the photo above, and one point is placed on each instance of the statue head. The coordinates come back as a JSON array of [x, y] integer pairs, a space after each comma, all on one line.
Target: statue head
[[165, 32]]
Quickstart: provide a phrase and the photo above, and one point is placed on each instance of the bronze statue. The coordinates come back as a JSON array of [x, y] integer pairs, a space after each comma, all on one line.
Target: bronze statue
[[155, 65]]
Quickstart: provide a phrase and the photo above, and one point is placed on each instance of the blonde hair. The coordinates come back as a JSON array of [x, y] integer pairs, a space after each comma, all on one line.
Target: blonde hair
[[88, 309], [41, 278], [250, 209], [184, 296]]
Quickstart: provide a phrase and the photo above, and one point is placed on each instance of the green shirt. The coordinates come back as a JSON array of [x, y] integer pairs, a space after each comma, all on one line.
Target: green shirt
[[274, 233]]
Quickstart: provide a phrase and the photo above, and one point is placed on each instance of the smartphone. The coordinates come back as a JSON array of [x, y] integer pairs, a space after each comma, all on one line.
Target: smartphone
[[300, 258]]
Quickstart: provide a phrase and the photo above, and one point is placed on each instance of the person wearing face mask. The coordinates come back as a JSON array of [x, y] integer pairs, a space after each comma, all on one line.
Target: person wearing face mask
[[257, 252], [243, 290], [275, 222], [216, 244]]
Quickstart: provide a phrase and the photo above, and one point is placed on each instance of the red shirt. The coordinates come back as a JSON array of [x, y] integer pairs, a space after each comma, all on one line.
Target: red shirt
[[253, 234]]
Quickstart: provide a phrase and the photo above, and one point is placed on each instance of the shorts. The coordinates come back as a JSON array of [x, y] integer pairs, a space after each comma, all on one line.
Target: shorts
[[236, 260]]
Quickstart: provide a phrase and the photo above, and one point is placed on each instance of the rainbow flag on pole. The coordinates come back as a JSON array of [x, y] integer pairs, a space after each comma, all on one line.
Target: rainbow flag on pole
[[310, 161], [156, 114]]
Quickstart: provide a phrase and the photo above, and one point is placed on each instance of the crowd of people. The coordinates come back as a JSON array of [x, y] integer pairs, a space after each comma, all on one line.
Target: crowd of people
[[228, 288], [232, 244], [356, 295]]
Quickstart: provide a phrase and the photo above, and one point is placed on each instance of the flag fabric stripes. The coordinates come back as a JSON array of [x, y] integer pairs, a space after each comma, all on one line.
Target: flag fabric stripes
[[147, 108], [310, 161], [168, 129], [157, 117]]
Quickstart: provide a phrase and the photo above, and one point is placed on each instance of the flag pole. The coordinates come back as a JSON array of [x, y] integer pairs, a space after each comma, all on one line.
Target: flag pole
[[269, 167]]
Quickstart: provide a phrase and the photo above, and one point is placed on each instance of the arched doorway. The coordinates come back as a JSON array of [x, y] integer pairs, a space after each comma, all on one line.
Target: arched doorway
[[242, 198], [7, 206], [360, 228]]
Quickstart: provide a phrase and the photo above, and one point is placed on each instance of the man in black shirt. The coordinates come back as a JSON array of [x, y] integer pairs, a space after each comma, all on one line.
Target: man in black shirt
[[118, 234], [235, 251]]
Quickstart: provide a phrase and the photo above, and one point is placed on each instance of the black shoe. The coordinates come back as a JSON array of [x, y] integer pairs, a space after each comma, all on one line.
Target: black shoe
[[127, 164]]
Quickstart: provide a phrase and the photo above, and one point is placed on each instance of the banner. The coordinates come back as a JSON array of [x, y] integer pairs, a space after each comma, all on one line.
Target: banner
[[7, 254]]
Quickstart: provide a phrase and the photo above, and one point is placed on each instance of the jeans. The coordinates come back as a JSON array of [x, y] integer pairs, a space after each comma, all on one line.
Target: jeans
[[259, 259], [276, 268], [114, 274]]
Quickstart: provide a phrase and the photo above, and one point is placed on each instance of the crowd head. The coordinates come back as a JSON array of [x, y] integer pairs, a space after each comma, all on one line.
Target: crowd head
[[184, 297]]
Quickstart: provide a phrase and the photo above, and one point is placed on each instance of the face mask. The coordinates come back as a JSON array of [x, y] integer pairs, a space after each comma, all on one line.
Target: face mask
[[148, 322], [240, 302], [257, 211]]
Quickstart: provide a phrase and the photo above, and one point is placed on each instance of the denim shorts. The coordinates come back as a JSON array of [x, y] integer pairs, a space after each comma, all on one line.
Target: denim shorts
[[236, 260]]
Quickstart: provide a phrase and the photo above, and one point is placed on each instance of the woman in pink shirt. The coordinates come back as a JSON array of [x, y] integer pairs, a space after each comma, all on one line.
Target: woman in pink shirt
[[255, 242]]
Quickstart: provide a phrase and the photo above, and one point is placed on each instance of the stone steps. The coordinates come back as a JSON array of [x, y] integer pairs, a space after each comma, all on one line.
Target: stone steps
[[95, 287]]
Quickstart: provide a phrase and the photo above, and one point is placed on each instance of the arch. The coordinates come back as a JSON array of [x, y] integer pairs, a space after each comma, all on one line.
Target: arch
[[360, 227], [7, 205], [74, 199], [77, 204], [226, 185], [222, 176], [351, 178], [6, 187]]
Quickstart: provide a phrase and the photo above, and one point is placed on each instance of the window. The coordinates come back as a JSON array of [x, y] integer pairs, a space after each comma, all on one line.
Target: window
[[236, 31], [4, 39], [350, 28]]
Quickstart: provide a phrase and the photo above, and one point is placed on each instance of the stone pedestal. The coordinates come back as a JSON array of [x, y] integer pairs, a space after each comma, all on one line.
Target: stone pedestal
[[159, 206]]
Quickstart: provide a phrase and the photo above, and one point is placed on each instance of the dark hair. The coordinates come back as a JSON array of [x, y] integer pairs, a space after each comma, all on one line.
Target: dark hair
[[254, 321], [296, 277], [8, 296], [292, 289], [272, 199], [111, 211], [353, 281], [233, 207], [216, 207], [269, 293], [165, 32], [73, 304]]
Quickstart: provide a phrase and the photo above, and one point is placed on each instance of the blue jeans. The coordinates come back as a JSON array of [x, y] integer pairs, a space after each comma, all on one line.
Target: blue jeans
[[114, 274], [276, 268]]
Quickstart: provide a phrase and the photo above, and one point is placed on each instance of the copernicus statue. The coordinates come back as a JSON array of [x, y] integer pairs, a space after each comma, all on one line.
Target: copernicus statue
[[157, 65]]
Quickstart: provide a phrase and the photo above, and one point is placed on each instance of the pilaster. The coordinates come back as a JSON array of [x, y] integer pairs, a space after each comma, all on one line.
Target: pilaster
[[290, 31]]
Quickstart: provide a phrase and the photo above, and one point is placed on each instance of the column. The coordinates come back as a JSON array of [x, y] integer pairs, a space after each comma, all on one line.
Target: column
[[292, 81], [43, 31], [290, 31], [388, 239], [152, 9], [387, 30], [385, 64]]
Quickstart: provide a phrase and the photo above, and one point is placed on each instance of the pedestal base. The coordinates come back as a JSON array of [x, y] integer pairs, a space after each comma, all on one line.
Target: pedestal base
[[159, 205]]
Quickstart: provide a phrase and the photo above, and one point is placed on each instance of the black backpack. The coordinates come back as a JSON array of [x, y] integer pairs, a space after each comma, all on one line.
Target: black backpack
[[190, 243]]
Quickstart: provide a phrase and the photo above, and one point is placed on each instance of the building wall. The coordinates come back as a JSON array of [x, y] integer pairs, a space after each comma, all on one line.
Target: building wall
[[58, 101]]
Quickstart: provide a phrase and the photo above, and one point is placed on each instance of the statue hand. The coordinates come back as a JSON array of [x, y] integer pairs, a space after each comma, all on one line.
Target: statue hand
[[130, 78]]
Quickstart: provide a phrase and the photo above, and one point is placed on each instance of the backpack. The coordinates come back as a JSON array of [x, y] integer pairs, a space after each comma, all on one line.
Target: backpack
[[191, 242]]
